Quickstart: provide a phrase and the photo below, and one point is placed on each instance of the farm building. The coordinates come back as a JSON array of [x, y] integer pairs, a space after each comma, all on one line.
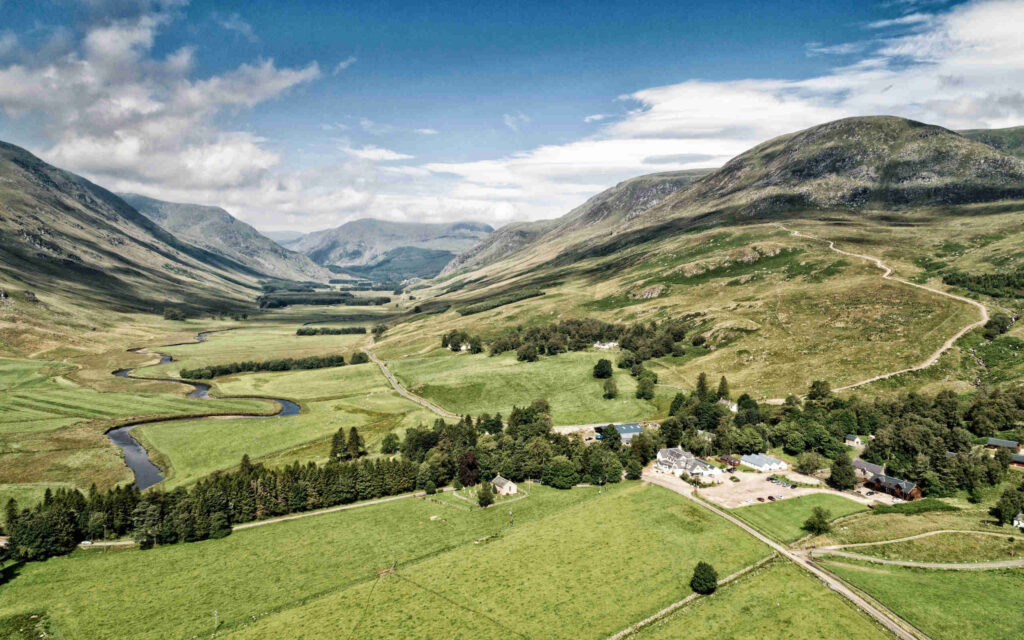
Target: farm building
[[679, 462], [626, 431], [605, 345], [865, 469], [762, 462], [731, 406], [996, 443], [1017, 460], [1019, 521], [903, 489], [504, 486], [853, 440]]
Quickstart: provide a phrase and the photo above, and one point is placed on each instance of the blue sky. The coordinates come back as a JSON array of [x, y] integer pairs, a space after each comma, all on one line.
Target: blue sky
[[303, 115]]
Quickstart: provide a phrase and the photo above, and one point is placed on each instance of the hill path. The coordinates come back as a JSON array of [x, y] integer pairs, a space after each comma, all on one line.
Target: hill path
[[405, 393], [887, 275], [887, 619], [915, 537], [952, 566]]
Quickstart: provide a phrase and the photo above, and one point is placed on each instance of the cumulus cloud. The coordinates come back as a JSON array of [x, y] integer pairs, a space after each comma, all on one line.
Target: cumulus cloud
[[135, 122], [597, 117]]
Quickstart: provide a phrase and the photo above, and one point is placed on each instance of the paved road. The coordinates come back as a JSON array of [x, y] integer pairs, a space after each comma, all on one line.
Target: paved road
[[832, 582], [953, 566], [932, 359], [444, 413]]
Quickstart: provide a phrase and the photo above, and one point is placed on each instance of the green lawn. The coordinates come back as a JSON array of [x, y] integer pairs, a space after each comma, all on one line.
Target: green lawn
[[458, 573], [783, 520], [949, 547], [634, 546], [877, 527], [465, 383], [947, 605], [350, 396], [777, 601]]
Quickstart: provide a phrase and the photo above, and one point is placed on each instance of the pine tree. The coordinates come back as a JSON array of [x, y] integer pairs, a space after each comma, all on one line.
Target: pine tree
[[702, 391], [355, 446], [339, 447], [611, 390], [723, 389], [485, 495]]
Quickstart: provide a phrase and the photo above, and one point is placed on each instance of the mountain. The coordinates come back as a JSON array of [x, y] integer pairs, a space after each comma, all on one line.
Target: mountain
[[878, 162], [621, 203], [1009, 141], [63, 235], [283, 237], [217, 230], [362, 242]]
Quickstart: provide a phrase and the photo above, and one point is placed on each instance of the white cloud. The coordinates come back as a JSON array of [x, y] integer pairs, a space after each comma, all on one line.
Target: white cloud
[[903, 21], [843, 49], [426, 132], [376, 128], [515, 120], [370, 152], [344, 64], [234, 22], [597, 117]]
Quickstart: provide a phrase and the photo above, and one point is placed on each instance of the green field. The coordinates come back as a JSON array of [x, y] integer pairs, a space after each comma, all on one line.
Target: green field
[[457, 573], [782, 520], [872, 527], [949, 547], [777, 601], [947, 605], [465, 383], [350, 396]]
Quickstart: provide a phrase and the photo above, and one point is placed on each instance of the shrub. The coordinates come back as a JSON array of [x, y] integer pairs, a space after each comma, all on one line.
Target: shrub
[[819, 522], [611, 390], [705, 578], [603, 368]]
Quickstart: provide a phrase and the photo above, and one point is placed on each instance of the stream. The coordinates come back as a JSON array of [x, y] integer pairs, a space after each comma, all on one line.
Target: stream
[[136, 457]]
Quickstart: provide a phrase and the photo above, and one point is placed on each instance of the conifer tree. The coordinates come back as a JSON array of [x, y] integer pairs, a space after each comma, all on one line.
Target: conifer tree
[[702, 391], [723, 389]]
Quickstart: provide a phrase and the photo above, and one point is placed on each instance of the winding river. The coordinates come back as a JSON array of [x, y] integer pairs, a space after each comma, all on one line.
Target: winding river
[[136, 457]]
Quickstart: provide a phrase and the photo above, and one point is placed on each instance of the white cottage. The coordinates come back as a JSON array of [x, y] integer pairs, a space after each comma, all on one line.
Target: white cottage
[[761, 462], [679, 463], [504, 486]]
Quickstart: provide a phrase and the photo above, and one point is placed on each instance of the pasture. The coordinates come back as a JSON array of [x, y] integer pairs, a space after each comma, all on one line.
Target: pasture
[[350, 396], [949, 547], [467, 383], [947, 605], [777, 600], [455, 573], [878, 527], [782, 520]]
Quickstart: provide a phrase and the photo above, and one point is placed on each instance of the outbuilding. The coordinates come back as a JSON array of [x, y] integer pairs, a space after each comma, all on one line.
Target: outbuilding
[[504, 486], [866, 469], [897, 487], [761, 462], [1019, 521], [853, 440], [627, 431], [996, 443], [1017, 460]]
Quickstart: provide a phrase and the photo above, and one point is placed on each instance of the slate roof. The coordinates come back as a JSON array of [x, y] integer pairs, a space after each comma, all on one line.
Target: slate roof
[[874, 469], [759, 460], [851, 436], [1018, 458], [1005, 444], [501, 483], [890, 483], [673, 455]]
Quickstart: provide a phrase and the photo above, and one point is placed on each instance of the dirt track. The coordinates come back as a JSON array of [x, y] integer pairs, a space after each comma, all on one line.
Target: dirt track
[[444, 413], [887, 275]]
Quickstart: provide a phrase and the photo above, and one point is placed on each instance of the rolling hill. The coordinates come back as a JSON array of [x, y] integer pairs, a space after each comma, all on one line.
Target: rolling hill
[[218, 231], [65, 236], [1009, 140], [362, 242]]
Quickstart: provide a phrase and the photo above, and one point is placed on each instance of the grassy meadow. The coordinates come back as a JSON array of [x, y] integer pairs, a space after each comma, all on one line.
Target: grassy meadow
[[949, 547], [777, 600], [456, 573], [782, 520], [467, 383], [947, 605], [879, 527], [350, 396]]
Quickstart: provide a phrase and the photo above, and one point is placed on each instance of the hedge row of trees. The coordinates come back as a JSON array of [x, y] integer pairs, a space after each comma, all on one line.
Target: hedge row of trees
[[499, 301], [281, 364], [207, 510], [997, 285], [329, 331], [279, 299]]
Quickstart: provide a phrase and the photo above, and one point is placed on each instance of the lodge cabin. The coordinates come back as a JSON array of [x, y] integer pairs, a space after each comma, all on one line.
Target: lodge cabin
[[896, 487]]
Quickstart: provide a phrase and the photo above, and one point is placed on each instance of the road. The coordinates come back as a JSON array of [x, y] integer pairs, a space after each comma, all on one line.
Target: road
[[887, 275], [444, 413], [886, 619]]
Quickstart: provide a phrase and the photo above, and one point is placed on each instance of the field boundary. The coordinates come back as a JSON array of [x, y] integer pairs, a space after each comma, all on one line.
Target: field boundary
[[675, 606]]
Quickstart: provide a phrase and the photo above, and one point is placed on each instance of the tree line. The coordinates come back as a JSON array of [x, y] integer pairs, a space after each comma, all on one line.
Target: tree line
[[329, 331], [280, 299], [997, 285], [281, 364]]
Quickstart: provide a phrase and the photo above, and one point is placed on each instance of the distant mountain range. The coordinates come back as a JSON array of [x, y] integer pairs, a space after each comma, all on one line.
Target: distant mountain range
[[367, 242], [215, 229], [63, 235]]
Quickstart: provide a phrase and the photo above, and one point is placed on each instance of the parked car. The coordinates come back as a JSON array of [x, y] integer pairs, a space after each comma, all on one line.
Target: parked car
[[871, 493], [760, 499], [771, 498]]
